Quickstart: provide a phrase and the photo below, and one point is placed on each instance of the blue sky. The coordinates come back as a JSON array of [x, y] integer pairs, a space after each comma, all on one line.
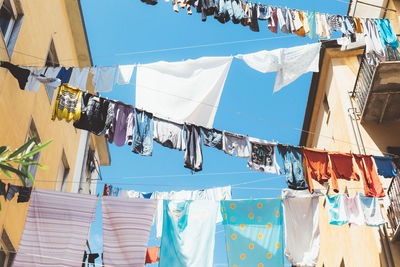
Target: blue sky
[[124, 31]]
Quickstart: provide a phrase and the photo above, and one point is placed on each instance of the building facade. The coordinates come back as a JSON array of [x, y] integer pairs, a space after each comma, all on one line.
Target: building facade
[[354, 107], [43, 33]]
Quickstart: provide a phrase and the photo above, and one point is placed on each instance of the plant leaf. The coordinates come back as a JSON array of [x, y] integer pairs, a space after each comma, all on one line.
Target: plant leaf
[[6, 173], [11, 169], [36, 150], [28, 173], [3, 149], [22, 148]]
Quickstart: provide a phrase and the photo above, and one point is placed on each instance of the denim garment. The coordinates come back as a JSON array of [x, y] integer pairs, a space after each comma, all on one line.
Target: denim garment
[[292, 158], [385, 166], [193, 154], [212, 137], [348, 26], [143, 133]]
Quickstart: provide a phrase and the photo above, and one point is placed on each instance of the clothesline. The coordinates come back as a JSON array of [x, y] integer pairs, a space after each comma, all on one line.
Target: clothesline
[[51, 257], [102, 182], [150, 51], [270, 121]]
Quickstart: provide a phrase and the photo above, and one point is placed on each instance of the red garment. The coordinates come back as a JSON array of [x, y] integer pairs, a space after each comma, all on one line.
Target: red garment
[[107, 189], [372, 184], [343, 167], [152, 255], [318, 167]]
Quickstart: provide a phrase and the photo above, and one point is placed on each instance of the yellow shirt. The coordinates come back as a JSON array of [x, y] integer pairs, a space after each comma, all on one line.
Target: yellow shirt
[[68, 104]]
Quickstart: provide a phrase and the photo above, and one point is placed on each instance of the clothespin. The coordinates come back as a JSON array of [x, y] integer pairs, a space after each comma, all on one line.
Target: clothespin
[[346, 191]]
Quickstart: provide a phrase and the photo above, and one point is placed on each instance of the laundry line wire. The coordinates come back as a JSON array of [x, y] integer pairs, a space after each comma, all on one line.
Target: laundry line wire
[[263, 119], [171, 185], [51, 257], [161, 50]]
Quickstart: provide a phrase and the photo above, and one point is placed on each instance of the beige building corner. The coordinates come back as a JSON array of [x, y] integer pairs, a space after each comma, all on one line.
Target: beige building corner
[[43, 33], [355, 107]]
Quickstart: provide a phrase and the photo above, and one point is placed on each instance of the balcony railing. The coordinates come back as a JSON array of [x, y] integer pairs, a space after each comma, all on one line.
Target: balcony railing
[[393, 211], [371, 97]]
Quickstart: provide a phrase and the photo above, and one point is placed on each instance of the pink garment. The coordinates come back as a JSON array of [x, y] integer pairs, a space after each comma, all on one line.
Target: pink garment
[[126, 230], [57, 226], [353, 209]]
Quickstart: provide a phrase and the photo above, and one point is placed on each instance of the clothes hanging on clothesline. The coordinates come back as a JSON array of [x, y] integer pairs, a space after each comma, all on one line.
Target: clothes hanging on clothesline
[[55, 221], [8, 191], [216, 194]]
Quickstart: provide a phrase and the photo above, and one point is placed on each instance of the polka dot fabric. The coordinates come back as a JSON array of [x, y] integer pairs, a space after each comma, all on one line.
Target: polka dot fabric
[[253, 232]]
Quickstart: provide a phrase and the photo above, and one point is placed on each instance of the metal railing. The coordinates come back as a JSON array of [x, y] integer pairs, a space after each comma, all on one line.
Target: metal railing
[[364, 78], [393, 211]]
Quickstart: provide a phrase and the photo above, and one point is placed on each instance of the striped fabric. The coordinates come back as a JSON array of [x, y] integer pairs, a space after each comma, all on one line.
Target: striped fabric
[[56, 229], [126, 230]]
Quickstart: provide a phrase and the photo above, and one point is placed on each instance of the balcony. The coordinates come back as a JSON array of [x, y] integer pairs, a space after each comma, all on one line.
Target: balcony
[[377, 90], [393, 211]]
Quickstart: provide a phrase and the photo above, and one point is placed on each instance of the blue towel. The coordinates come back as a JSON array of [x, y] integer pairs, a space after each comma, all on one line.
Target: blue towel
[[385, 166]]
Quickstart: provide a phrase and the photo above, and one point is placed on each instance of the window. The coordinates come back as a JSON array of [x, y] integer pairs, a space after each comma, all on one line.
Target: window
[[51, 61], [7, 253], [63, 174], [326, 108], [10, 22], [32, 131]]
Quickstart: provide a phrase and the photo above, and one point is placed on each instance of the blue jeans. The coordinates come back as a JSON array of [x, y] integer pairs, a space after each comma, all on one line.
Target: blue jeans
[[292, 158], [143, 133]]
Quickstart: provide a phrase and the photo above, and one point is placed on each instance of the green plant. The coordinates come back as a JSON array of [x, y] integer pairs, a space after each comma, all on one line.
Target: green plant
[[23, 156]]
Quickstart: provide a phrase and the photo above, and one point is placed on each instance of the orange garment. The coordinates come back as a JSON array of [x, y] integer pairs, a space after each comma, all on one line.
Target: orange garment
[[343, 167], [359, 28], [318, 167], [300, 32], [372, 184], [152, 255]]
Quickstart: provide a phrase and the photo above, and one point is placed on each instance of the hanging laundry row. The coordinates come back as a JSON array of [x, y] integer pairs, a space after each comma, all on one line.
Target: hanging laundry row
[[211, 71], [377, 32], [103, 77], [9, 191], [254, 229], [358, 210], [124, 124]]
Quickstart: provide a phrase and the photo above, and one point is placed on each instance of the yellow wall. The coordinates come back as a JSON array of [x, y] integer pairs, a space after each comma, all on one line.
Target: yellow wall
[[355, 245], [43, 20]]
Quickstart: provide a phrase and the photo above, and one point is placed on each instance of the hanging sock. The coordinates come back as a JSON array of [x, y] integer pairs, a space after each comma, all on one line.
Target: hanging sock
[[19, 73]]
